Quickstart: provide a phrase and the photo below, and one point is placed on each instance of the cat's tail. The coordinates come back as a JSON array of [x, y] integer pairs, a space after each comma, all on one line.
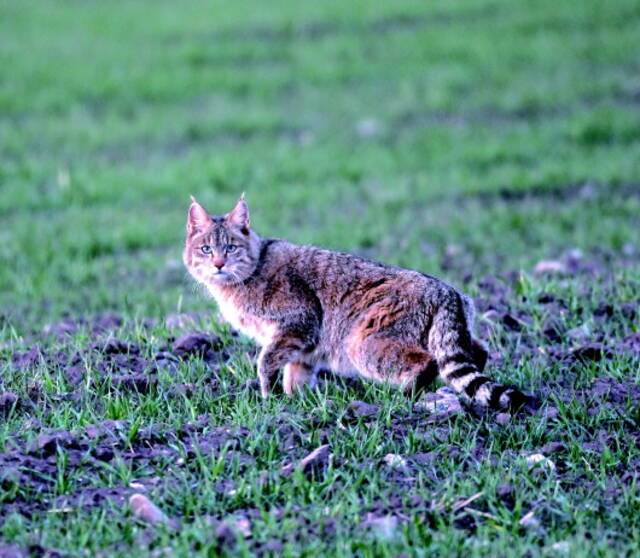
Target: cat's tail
[[451, 343]]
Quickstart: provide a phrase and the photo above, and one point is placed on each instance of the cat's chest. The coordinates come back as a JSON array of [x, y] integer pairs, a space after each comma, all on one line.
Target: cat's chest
[[259, 329]]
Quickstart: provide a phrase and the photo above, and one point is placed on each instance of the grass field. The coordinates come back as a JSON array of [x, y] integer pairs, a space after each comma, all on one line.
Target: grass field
[[481, 141]]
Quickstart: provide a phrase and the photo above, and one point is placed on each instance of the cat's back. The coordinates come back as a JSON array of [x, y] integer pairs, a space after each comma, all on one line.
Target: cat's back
[[339, 277]]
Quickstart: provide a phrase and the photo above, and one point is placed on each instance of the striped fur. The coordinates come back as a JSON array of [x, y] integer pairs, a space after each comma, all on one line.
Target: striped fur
[[310, 308]]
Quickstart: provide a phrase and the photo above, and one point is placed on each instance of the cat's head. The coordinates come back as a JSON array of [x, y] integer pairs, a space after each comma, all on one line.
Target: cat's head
[[220, 249]]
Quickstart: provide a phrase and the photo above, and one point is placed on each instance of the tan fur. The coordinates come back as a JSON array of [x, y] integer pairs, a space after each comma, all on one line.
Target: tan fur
[[308, 307], [295, 376]]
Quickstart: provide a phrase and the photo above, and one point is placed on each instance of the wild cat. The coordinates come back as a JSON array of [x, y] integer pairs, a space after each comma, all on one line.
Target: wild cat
[[308, 307]]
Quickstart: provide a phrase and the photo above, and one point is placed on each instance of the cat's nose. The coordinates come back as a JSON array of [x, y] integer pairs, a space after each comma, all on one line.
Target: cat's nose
[[219, 263]]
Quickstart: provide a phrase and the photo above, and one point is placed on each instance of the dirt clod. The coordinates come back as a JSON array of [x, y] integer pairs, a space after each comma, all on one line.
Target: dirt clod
[[133, 382], [506, 493], [24, 360], [47, 444], [554, 447], [591, 352], [361, 410], [197, 345], [12, 551], [8, 402], [632, 343], [115, 346], [225, 535]]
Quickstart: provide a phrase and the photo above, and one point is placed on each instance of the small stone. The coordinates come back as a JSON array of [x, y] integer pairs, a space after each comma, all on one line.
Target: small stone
[[537, 459], [503, 418], [550, 266], [443, 402], [384, 527], [360, 409], [146, 510], [395, 461]]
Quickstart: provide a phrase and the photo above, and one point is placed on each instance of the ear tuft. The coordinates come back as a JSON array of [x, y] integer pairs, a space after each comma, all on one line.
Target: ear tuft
[[197, 219], [239, 215]]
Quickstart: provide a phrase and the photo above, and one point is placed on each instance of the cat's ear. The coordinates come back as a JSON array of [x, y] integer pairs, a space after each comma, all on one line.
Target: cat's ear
[[197, 219], [239, 215]]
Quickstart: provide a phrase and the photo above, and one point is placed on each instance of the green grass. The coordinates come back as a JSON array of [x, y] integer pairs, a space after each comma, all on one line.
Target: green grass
[[465, 139]]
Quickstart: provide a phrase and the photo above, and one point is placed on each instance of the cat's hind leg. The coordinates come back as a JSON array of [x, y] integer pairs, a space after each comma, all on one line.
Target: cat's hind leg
[[382, 357]]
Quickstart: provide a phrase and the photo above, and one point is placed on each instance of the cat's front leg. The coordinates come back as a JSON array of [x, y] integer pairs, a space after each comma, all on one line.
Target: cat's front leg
[[288, 346]]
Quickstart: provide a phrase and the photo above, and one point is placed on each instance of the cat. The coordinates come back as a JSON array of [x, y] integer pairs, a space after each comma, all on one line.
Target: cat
[[308, 307]]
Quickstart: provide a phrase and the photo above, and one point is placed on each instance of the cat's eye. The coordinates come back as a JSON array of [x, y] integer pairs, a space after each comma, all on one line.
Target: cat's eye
[[206, 249], [231, 248]]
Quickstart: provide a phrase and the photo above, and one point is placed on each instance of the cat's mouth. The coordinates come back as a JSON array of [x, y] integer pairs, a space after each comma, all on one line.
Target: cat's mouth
[[222, 276]]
